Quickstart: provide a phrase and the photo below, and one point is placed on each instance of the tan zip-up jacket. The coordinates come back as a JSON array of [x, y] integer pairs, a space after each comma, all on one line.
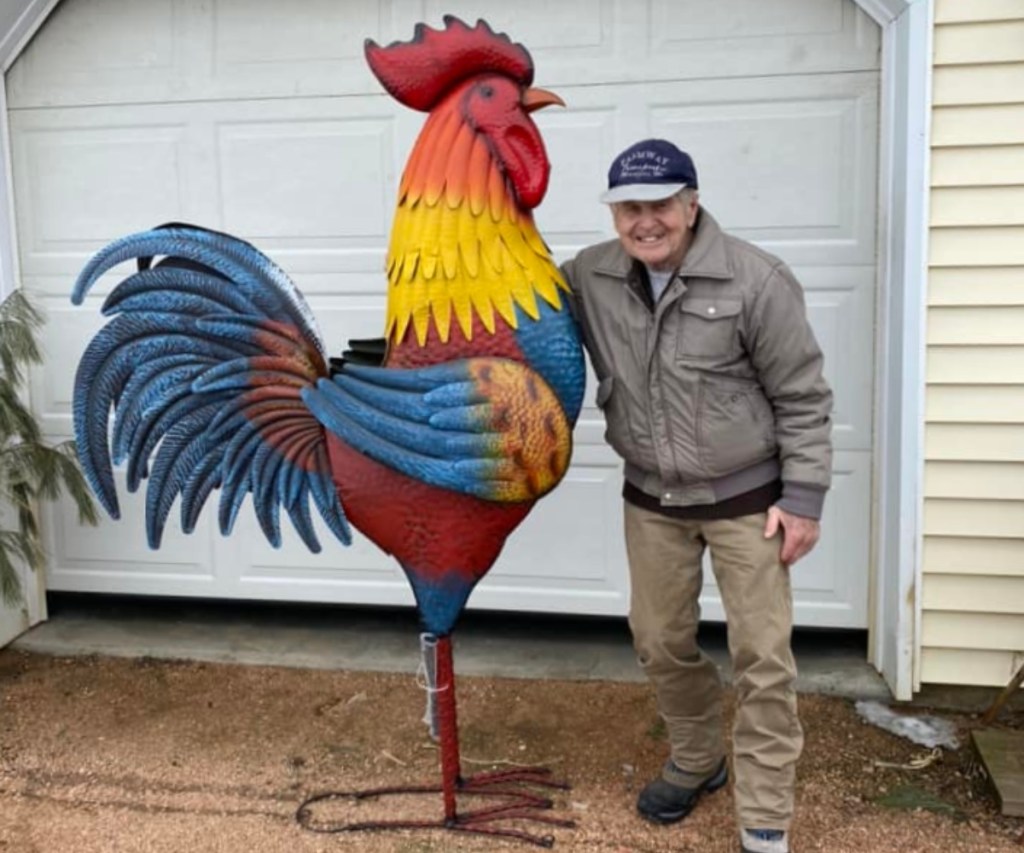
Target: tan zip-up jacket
[[719, 389]]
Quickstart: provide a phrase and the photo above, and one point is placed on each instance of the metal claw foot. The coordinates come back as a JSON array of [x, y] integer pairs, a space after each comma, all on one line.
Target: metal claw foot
[[516, 804]]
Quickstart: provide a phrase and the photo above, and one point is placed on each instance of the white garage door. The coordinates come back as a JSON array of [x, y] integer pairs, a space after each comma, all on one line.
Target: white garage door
[[261, 119]]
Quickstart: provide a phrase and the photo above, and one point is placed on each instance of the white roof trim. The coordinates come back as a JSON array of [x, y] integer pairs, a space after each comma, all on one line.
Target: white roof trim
[[21, 19], [885, 12]]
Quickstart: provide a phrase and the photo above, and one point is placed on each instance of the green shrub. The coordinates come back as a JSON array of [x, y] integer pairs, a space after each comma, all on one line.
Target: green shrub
[[30, 469]]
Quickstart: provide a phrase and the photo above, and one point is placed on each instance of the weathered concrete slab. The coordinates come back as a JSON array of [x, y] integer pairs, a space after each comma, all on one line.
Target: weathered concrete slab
[[489, 644], [1002, 756]]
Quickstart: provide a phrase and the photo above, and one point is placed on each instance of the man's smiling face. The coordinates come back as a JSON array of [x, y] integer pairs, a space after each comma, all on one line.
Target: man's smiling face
[[657, 233]]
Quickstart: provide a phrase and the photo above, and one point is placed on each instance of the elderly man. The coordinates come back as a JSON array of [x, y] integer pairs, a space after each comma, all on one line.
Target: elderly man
[[710, 380]]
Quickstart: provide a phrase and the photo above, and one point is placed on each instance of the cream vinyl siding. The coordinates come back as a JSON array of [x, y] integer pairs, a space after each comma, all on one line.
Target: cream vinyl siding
[[972, 597]]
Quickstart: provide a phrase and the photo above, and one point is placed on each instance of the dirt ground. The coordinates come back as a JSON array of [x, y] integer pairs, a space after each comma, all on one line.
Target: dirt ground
[[100, 755]]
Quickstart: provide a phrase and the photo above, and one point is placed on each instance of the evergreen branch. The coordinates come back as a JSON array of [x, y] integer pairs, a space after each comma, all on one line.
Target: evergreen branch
[[16, 421], [15, 550], [19, 321], [24, 464], [30, 469], [75, 485]]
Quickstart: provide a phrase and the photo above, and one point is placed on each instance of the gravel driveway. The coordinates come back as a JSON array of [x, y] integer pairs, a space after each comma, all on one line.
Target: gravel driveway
[[101, 754]]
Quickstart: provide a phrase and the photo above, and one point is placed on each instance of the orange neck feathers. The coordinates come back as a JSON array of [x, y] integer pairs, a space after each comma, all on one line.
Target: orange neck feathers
[[460, 244]]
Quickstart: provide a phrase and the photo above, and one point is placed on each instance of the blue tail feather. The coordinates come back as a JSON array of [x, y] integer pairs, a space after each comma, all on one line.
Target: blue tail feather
[[302, 520], [257, 276], [200, 368], [136, 291], [182, 450]]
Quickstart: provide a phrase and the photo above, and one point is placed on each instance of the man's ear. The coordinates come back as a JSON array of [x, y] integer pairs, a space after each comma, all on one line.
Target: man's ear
[[692, 208]]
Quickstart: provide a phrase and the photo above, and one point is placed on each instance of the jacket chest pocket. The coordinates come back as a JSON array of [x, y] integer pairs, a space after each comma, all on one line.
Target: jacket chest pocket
[[707, 328]]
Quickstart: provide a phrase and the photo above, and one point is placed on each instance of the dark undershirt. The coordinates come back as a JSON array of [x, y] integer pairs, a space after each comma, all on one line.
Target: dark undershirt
[[755, 501]]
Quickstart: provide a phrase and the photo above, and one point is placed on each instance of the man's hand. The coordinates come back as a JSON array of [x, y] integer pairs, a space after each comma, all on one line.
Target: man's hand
[[799, 534]]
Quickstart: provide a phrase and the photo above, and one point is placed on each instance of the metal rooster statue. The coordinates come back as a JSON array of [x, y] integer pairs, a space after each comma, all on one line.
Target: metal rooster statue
[[218, 378]]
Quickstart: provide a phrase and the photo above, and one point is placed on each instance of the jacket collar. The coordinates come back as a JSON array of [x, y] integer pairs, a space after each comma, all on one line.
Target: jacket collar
[[707, 256]]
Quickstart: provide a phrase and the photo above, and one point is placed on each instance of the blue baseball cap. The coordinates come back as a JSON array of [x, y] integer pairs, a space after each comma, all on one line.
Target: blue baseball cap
[[649, 171]]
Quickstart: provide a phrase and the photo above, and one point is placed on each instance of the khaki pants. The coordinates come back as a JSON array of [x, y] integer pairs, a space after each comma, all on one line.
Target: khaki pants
[[665, 575]]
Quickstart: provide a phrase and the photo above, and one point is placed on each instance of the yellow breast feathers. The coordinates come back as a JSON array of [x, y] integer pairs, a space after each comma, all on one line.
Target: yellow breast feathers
[[459, 245]]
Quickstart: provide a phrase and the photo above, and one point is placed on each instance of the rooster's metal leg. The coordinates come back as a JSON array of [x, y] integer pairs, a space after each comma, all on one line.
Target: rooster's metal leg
[[515, 804], [448, 724]]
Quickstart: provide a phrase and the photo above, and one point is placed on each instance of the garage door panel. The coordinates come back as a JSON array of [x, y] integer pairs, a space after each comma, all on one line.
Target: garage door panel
[[681, 21], [355, 274], [313, 180], [111, 52], [544, 550], [345, 268], [68, 204], [549, 558], [835, 572], [94, 49], [582, 28], [81, 557], [696, 39], [840, 306], [341, 319], [360, 563], [281, 40], [580, 142], [276, 181], [785, 164], [753, 149], [63, 339], [276, 53], [313, 177], [820, 576]]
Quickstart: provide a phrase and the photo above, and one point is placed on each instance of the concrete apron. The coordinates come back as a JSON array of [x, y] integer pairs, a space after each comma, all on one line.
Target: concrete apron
[[386, 640]]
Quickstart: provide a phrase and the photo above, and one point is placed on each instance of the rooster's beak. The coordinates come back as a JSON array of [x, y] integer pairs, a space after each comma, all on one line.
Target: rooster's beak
[[535, 99]]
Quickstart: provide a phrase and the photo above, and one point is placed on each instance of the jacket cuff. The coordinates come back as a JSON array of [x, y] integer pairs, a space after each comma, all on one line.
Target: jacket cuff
[[802, 499]]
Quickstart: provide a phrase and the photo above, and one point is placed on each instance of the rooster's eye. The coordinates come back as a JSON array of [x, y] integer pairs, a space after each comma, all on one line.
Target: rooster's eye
[[486, 91]]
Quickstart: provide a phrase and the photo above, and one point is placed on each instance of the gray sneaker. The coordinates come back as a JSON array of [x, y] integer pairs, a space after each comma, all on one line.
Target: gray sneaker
[[764, 841], [662, 801]]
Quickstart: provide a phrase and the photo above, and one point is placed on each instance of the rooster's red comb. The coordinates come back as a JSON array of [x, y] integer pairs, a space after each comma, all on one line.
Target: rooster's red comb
[[419, 72]]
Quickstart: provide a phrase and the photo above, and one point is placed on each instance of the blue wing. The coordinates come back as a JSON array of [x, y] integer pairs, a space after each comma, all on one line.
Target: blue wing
[[203, 367], [487, 427], [551, 346]]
